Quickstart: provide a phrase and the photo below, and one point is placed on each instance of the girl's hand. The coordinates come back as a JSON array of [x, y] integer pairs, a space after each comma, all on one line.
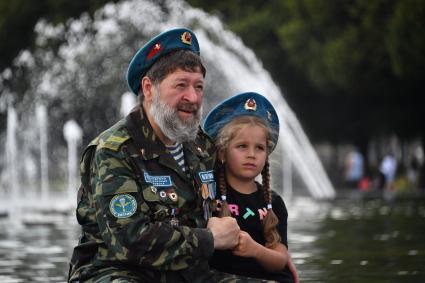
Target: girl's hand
[[247, 247], [272, 259]]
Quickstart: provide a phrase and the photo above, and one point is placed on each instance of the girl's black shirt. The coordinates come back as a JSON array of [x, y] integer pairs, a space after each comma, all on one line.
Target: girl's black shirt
[[249, 209]]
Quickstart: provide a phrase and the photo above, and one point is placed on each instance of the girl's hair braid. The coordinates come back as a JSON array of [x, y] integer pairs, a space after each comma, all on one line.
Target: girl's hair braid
[[270, 221], [265, 175], [224, 209]]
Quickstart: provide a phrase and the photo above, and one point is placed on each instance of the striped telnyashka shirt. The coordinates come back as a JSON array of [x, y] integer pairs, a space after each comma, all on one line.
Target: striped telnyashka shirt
[[178, 154]]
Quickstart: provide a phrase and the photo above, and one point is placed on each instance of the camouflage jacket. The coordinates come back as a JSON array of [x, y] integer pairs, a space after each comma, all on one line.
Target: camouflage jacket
[[148, 221]]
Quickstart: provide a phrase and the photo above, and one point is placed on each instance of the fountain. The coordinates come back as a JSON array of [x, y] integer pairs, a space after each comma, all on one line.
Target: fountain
[[73, 134], [245, 73], [41, 114], [12, 168], [84, 81], [78, 72], [128, 101]]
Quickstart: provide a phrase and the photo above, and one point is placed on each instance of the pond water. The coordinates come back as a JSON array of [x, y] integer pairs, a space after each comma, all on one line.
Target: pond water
[[358, 240], [344, 240]]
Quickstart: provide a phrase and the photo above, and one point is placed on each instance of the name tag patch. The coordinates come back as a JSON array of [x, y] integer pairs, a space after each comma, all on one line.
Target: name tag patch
[[206, 176], [158, 181]]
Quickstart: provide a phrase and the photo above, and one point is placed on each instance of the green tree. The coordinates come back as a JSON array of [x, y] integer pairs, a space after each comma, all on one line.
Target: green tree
[[331, 58], [18, 17], [350, 69]]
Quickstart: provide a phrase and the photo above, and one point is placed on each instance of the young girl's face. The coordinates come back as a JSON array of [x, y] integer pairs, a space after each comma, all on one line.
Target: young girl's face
[[246, 153]]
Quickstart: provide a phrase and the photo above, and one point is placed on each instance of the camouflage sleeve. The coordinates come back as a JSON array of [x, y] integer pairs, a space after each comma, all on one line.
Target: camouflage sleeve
[[128, 232]]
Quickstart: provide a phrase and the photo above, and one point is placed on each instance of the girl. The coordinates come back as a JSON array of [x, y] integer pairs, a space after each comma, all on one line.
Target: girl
[[245, 129]]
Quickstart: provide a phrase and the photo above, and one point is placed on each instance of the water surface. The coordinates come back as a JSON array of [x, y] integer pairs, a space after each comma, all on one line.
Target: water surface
[[358, 240], [344, 240]]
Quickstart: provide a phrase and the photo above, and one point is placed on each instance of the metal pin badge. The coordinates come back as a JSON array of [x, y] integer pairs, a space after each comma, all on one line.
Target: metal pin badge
[[173, 196], [163, 195]]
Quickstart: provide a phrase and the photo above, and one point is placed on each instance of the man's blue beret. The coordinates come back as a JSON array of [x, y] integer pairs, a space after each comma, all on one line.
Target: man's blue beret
[[244, 104], [162, 44]]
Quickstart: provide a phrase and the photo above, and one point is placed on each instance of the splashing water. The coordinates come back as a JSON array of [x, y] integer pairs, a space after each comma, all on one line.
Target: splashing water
[[128, 101], [73, 134], [11, 153], [78, 72], [41, 113]]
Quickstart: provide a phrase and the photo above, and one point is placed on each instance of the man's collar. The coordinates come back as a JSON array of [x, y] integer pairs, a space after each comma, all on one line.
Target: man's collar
[[143, 135]]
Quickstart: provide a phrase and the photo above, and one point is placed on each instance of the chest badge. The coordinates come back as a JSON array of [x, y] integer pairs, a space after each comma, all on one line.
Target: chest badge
[[173, 196], [123, 206], [163, 195], [158, 181], [206, 176]]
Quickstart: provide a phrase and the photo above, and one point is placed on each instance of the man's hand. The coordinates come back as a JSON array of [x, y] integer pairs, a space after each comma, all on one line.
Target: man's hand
[[225, 232]]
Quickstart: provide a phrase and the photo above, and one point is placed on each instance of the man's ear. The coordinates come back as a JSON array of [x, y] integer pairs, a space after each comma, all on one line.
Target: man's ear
[[147, 87]]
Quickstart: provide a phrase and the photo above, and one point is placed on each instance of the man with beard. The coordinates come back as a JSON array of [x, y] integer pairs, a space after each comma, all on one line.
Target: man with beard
[[147, 182]]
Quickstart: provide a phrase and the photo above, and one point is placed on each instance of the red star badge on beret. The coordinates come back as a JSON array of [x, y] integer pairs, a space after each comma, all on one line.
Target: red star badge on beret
[[155, 49]]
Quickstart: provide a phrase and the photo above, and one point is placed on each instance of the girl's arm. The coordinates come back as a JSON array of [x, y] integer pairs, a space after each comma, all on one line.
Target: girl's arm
[[272, 259], [293, 269]]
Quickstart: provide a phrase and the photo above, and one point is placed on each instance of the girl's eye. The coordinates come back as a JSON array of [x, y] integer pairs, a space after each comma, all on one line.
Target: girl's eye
[[241, 146], [262, 148]]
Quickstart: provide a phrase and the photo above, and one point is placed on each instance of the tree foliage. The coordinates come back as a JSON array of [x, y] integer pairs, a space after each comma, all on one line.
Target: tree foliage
[[18, 18], [351, 69]]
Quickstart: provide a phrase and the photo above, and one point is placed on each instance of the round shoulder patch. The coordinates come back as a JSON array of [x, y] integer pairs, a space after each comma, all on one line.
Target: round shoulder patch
[[123, 206]]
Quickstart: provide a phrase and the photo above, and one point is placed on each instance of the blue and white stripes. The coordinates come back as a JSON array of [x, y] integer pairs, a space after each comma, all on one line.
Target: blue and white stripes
[[178, 154]]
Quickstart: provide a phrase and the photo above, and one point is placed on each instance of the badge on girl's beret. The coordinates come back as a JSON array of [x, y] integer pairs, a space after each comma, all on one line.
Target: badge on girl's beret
[[250, 104], [123, 206]]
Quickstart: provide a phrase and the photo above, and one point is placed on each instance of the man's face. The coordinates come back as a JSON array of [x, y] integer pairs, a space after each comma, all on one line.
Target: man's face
[[177, 105], [184, 92]]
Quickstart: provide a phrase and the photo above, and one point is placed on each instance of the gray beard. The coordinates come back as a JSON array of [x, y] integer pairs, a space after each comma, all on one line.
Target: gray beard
[[171, 125]]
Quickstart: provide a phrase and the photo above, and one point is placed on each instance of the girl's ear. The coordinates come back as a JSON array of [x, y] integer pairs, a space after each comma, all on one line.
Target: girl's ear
[[222, 155]]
